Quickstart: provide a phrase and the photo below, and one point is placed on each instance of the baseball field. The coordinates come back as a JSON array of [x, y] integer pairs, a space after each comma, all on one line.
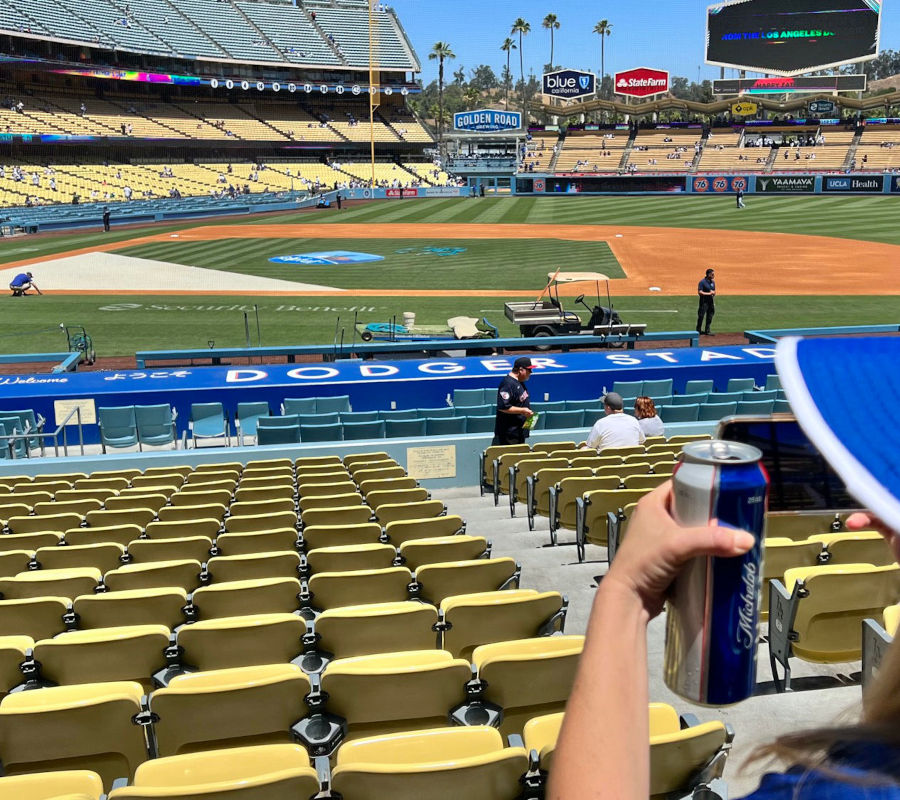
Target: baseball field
[[781, 262]]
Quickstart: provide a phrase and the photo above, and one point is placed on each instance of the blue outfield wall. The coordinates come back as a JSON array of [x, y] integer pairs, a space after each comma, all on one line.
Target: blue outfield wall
[[376, 384]]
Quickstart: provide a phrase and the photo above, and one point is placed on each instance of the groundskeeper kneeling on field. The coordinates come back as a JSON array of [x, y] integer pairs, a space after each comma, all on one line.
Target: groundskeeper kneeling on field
[[20, 285]]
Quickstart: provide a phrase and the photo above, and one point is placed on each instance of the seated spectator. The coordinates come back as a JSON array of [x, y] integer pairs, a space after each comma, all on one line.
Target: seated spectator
[[616, 428], [645, 414]]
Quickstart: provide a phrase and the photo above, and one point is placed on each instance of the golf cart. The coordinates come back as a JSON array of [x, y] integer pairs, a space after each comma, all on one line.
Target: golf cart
[[457, 328], [547, 317]]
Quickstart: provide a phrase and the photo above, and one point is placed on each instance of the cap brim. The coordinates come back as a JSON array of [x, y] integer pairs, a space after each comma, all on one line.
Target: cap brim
[[856, 432]]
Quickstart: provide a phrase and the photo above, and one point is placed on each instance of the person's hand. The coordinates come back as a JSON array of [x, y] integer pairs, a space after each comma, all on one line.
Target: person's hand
[[656, 548], [864, 521], [527, 412]]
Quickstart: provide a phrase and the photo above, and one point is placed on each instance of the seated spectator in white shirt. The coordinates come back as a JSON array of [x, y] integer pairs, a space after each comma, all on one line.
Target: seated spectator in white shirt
[[645, 414], [616, 428]]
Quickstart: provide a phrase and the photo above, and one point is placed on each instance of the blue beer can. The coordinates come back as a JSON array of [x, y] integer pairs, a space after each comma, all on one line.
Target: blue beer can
[[713, 610]]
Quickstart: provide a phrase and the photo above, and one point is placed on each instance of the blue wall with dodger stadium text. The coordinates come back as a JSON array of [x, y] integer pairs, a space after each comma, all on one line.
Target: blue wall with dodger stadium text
[[376, 384]]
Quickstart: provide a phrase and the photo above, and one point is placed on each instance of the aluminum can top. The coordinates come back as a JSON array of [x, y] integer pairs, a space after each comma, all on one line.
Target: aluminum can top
[[717, 451]]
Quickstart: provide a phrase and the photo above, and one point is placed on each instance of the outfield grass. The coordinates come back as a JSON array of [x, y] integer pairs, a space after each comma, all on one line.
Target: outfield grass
[[150, 322]]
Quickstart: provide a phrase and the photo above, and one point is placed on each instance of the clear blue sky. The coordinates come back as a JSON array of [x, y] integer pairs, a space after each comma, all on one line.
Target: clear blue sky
[[651, 33]]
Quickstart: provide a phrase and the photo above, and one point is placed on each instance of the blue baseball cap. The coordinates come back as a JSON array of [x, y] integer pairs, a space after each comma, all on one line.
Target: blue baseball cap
[[845, 393]]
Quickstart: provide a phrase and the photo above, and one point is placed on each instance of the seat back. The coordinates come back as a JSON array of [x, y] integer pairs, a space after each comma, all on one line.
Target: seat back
[[162, 606], [863, 547], [65, 784], [298, 405], [780, 555], [38, 618], [404, 530], [248, 415], [440, 764], [445, 425], [242, 597], [333, 405], [528, 677], [681, 413], [228, 707], [628, 389], [155, 423], [374, 429], [711, 411], [437, 581], [657, 388], [365, 690], [398, 428], [242, 641], [440, 549], [42, 729], [321, 433], [570, 489], [555, 420], [335, 589], [755, 407], [839, 598], [485, 617], [676, 757], [740, 385], [472, 397], [118, 426], [601, 503], [184, 573], [289, 434]]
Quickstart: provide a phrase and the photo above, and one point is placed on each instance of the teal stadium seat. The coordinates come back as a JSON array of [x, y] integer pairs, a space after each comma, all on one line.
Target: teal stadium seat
[[771, 394], [400, 413], [725, 397], [298, 405], [476, 411], [209, 421], [781, 407], [472, 397], [31, 422], [321, 433], [401, 428], [592, 415], [554, 405], [662, 386], [155, 424], [333, 405], [371, 429], [740, 385], [11, 427], [286, 421], [661, 400], [715, 411], [755, 407], [482, 424], [630, 389], [247, 417], [118, 427], [697, 385], [358, 416], [679, 413], [285, 434], [434, 413], [445, 426], [584, 405], [689, 399], [320, 419], [556, 420], [773, 382]]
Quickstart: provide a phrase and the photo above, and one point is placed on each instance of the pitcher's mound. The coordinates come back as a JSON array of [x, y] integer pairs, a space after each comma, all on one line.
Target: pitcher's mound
[[110, 271]]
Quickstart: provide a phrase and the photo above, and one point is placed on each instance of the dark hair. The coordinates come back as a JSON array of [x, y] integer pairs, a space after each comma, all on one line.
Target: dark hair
[[644, 408], [709, 271]]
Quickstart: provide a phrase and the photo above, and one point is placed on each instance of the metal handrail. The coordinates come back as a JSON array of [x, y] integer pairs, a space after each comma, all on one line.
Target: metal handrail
[[11, 439]]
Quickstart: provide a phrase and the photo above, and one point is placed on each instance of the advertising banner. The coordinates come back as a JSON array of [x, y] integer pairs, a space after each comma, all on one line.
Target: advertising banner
[[642, 82], [847, 183], [822, 107], [895, 183], [744, 109], [785, 184], [820, 83], [720, 184], [569, 84], [401, 192], [487, 120]]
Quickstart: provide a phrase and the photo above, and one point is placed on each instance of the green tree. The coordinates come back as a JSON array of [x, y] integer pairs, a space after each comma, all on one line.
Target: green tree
[[552, 24], [472, 97], [507, 47], [440, 52], [523, 28], [483, 78], [603, 29], [459, 76]]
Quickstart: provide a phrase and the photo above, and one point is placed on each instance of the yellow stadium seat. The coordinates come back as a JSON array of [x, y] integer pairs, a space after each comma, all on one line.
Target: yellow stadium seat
[[194, 548], [335, 589], [81, 784], [103, 556], [324, 535], [270, 541], [37, 618], [434, 550], [252, 566], [401, 531], [163, 606], [266, 772], [184, 574], [238, 598], [438, 581], [50, 583]]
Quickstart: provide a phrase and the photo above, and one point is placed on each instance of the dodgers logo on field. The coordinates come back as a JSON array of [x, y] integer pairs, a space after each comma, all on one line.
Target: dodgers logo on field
[[326, 257]]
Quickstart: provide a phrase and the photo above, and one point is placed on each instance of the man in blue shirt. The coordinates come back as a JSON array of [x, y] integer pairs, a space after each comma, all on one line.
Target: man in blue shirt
[[706, 290], [22, 283]]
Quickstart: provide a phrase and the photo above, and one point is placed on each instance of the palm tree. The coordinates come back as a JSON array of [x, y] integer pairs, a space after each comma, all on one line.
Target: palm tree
[[602, 29], [523, 28], [507, 47], [472, 97], [552, 23], [439, 52]]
